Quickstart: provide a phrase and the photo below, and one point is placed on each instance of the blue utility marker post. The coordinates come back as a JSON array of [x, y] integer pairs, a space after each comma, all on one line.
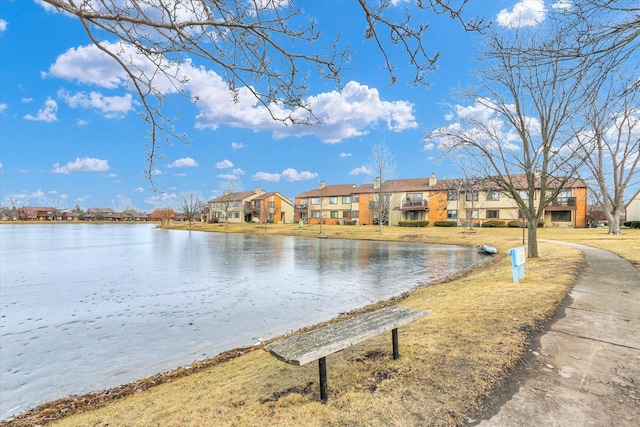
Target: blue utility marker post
[[517, 263]]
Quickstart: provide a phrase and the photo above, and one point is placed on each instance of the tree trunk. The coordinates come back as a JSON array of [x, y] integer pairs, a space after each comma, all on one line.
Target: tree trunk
[[532, 244], [613, 218]]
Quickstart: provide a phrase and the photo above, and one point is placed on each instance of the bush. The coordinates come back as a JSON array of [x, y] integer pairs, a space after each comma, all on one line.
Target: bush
[[445, 224], [214, 220], [632, 224], [413, 223], [518, 224], [494, 223]]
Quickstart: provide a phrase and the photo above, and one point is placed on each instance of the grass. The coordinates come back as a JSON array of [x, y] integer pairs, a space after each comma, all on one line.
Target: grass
[[451, 362]]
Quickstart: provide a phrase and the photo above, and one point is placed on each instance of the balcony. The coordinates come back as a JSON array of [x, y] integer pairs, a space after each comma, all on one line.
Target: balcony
[[419, 205], [301, 208], [562, 204], [250, 208]]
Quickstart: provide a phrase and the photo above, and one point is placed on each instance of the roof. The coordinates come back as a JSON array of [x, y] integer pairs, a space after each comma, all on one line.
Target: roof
[[330, 190], [232, 197]]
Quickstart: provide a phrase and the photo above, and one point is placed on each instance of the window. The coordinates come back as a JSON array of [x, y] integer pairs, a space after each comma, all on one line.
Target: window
[[452, 214], [452, 195], [315, 214], [346, 199], [315, 200], [272, 205], [414, 215], [561, 216], [346, 214], [472, 214], [493, 214], [471, 196], [304, 202], [414, 197], [356, 199], [334, 214], [525, 195], [333, 200], [493, 196]]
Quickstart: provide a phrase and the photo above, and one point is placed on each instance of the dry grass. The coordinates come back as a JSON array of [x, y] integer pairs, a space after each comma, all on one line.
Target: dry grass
[[452, 360]]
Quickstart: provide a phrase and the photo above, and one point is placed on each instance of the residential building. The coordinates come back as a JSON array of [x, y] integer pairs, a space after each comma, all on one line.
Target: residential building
[[632, 208], [38, 213], [251, 207], [330, 204], [271, 207], [428, 199]]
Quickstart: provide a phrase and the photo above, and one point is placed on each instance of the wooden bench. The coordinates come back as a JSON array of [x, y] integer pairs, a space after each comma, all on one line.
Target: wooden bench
[[319, 343]]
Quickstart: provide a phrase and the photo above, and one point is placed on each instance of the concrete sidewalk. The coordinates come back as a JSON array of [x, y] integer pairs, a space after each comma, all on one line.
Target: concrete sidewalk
[[587, 369]]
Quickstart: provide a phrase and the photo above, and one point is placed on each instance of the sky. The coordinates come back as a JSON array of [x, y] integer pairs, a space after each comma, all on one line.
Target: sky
[[71, 133]]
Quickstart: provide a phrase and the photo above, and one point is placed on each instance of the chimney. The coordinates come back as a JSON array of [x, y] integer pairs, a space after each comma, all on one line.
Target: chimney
[[376, 184], [433, 180], [321, 185]]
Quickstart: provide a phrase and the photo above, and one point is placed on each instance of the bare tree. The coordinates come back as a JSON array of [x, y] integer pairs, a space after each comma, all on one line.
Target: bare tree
[[192, 204], [260, 46], [228, 202], [382, 169], [12, 201], [519, 132], [610, 147]]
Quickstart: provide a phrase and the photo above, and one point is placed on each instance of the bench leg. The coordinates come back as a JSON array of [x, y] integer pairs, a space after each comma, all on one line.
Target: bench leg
[[322, 369], [394, 340]]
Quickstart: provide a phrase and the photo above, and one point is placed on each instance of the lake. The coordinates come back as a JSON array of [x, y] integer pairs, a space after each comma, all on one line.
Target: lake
[[90, 306]]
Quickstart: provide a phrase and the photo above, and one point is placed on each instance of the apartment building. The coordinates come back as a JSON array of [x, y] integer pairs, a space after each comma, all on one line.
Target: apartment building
[[632, 208], [430, 199], [251, 207]]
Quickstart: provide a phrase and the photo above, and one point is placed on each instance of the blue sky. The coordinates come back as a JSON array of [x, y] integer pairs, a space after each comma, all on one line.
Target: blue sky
[[70, 131]]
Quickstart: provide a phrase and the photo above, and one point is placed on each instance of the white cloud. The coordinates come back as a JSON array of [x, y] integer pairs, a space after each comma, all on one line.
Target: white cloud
[[235, 174], [26, 100], [3, 107], [228, 176], [47, 113], [163, 199], [237, 145], [345, 155], [3, 25], [293, 175], [138, 190], [109, 106], [362, 170], [85, 164], [526, 13], [265, 176], [344, 114], [185, 162], [224, 164], [82, 122]]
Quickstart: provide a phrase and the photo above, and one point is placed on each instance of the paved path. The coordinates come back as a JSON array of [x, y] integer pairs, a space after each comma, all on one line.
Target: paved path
[[587, 369]]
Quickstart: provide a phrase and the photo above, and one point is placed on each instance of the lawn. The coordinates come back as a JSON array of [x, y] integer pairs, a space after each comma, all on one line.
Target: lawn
[[451, 361]]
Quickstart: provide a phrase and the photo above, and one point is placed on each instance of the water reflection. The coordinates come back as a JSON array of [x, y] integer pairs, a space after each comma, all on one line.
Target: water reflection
[[87, 306]]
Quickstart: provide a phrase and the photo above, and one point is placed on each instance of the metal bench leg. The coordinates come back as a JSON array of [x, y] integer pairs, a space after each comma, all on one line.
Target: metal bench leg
[[394, 339], [322, 369]]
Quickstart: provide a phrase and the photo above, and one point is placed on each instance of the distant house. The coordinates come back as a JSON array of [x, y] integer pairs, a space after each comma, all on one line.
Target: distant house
[[162, 214], [101, 214], [70, 216], [38, 213], [632, 208]]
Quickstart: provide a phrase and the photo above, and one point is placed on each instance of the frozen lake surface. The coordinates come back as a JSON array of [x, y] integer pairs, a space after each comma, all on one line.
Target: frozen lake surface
[[86, 306]]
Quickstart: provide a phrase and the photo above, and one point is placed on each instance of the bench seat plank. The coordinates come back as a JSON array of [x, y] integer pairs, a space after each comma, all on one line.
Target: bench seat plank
[[313, 345]]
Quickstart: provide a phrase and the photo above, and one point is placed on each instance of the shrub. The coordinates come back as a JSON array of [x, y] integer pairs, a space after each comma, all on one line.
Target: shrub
[[515, 224], [493, 223], [445, 224], [214, 220], [413, 223]]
